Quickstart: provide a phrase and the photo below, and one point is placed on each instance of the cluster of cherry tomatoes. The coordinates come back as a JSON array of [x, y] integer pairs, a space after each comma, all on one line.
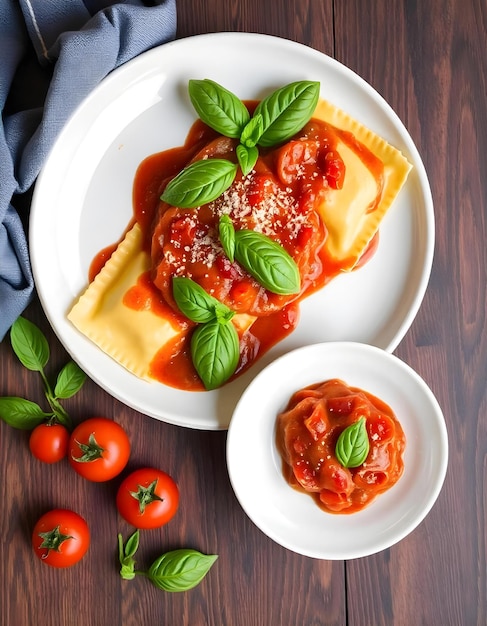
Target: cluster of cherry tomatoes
[[98, 449]]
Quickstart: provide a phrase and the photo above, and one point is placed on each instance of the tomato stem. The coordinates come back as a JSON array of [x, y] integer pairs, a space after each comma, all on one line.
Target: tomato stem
[[146, 495], [91, 450]]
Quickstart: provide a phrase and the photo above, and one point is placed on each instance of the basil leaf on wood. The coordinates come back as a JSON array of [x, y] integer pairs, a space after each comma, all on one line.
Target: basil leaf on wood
[[69, 381], [215, 352], [198, 305], [218, 108], [180, 570], [29, 344], [199, 183], [247, 157], [285, 111], [353, 445], [21, 413], [226, 232], [267, 262]]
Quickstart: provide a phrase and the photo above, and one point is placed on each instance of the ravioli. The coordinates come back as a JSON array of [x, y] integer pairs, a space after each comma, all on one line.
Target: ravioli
[[347, 212], [101, 315], [352, 216]]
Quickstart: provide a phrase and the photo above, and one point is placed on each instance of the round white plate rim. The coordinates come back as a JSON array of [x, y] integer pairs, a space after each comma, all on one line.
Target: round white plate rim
[[251, 493], [75, 344]]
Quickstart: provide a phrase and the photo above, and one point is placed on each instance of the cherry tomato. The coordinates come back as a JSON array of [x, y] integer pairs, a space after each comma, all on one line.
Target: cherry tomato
[[61, 538], [148, 498], [49, 442], [98, 449]]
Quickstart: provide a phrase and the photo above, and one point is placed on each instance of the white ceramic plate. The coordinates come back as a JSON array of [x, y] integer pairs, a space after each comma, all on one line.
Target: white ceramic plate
[[292, 519], [83, 202]]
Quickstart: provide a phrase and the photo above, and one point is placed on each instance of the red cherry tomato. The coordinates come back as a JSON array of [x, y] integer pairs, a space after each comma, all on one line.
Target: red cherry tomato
[[49, 442], [98, 449], [148, 498], [61, 538]]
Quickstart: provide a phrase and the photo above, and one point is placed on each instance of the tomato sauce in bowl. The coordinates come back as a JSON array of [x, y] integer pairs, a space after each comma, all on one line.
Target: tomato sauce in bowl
[[307, 433]]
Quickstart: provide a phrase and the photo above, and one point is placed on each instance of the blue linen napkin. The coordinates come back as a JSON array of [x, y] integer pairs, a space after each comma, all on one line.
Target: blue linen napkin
[[79, 43]]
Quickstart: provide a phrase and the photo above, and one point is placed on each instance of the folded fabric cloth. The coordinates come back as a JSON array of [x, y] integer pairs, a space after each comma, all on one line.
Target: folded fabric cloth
[[81, 42]]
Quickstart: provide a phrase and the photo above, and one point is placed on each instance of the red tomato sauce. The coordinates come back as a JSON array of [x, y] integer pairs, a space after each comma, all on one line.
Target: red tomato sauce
[[306, 436], [279, 198]]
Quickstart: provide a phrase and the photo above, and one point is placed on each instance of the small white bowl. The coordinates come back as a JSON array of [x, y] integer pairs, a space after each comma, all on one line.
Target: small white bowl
[[291, 518]]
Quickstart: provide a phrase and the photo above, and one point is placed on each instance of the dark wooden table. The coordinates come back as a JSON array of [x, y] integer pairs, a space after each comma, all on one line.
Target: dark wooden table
[[429, 60]]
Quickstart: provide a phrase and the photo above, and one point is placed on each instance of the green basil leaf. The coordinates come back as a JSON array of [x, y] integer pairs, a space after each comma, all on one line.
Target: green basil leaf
[[286, 111], [180, 570], [29, 344], [69, 381], [126, 554], [352, 446], [226, 232], [218, 108], [199, 183], [252, 131], [247, 157], [131, 545], [267, 262], [215, 352], [198, 305], [21, 413]]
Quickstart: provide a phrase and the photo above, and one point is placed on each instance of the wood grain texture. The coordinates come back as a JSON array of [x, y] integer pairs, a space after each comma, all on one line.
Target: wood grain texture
[[429, 60], [430, 63]]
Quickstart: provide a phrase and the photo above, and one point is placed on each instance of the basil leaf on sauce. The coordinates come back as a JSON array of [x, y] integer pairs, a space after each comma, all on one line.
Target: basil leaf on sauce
[[215, 352], [267, 262], [199, 183], [353, 445], [252, 131], [286, 111], [198, 305], [226, 232], [180, 570], [247, 157], [218, 108]]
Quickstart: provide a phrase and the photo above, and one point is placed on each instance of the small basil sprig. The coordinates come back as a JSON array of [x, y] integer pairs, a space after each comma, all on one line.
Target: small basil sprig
[[214, 343], [32, 349], [353, 445], [126, 555], [276, 119], [177, 570], [267, 262]]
